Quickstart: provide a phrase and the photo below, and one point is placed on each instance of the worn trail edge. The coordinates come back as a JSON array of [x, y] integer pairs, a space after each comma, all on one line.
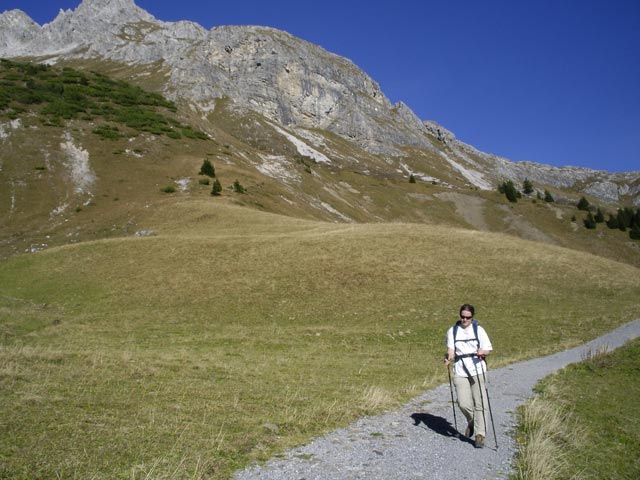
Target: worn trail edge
[[418, 440]]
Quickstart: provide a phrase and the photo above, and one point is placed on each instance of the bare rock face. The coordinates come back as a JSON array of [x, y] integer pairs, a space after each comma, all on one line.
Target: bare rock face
[[16, 30], [280, 76], [284, 78], [438, 131]]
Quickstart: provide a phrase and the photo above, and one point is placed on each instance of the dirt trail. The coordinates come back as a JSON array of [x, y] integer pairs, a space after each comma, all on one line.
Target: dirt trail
[[418, 441]]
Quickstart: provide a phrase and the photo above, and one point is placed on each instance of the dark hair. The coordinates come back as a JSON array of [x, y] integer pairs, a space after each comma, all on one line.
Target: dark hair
[[469, 308]]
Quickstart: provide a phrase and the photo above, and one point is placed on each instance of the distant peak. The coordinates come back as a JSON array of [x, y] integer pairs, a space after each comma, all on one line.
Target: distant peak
[[110, 8], [106, 3], [16, 17], [116, 11]]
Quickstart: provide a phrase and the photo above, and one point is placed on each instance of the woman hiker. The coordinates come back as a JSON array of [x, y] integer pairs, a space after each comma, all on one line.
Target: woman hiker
[[467, 345]]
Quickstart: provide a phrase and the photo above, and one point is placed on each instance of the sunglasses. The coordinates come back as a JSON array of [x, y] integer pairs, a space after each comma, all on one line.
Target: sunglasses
[[466, 318]]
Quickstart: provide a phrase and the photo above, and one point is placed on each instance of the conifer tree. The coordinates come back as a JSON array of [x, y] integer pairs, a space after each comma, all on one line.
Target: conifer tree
[[216, 189], [583, 204], [527, 186], [590, 222], [238, 188], [599, 216], [548, 197], [612, 223], [412, 178], [207, 169], [509, 190], [624, 218]]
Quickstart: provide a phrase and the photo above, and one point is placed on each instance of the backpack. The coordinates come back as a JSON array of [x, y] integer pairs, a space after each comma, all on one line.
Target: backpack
[[474, 324]]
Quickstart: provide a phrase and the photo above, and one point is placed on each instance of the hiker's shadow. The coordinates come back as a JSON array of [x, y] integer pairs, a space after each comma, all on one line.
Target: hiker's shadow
[[439, 425]]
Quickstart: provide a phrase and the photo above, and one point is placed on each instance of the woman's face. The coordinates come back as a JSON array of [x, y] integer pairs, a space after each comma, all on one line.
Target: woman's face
[[465, 318]]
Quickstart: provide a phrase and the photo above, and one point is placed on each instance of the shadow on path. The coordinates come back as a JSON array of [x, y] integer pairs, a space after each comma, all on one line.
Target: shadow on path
[[439, 425]]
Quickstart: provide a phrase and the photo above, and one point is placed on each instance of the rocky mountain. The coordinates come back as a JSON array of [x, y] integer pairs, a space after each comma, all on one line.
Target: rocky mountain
[[303, 94], [286, 79]]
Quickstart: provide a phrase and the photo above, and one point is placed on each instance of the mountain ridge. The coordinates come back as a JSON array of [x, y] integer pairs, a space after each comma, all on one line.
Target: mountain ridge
[[302, 94], [312, 88]]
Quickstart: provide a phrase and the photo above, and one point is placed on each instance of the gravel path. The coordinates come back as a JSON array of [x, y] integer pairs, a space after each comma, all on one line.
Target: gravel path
[[418, 441]]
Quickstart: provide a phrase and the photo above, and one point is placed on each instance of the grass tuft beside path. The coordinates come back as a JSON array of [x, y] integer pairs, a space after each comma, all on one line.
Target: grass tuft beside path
[[586, 421]]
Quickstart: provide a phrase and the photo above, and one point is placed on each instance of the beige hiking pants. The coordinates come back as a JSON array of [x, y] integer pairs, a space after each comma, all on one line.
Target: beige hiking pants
[[471, 400]]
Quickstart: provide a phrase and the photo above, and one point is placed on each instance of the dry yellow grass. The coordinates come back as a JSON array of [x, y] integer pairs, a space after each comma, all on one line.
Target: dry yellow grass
[[233, 334]]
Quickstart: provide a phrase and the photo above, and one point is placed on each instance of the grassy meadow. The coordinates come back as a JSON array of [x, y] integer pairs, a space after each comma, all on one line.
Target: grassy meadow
[[233, 334], [585, 422]]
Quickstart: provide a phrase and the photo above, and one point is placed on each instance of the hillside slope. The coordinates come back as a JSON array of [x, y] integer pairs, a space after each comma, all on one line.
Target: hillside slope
[[85, 156], [233, 333], [284, 79]]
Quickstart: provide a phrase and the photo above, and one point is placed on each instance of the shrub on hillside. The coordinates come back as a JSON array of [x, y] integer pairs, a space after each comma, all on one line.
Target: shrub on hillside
[[191, 133], [599, 216], [583, 204], [590, 222], [527, 186], [627, 218], [207, 168], [548, 197], [612, 223], [238, 188], [216, 190], [509, 190], [60, 94], [109, 132]]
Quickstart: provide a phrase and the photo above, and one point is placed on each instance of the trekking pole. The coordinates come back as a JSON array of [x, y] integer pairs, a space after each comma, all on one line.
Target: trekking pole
[[453, 404], [484, 417], [486, 389]]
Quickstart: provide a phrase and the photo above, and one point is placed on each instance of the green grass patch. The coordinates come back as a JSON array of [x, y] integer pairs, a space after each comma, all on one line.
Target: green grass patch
[[233, 334], [62, 94], [585, 422]]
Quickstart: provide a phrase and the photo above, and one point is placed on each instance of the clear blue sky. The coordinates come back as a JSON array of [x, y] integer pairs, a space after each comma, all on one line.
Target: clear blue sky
[[552, 81]]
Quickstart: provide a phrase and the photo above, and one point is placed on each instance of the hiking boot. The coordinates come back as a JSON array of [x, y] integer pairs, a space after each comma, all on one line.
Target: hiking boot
[[469, 431], [479, 441]]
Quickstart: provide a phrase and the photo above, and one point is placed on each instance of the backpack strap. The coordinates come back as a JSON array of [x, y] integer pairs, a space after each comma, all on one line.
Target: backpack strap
[[474, 324]]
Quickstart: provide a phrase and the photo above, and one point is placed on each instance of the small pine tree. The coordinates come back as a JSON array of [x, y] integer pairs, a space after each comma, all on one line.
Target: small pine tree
[[589, 222], [527, 187], [583, 204], [612, 223], [207, 169], [412, 178], [217, 188], [238, 188], [623, 219], [634, 233], [509, 190], [599, 216], [548, 197]]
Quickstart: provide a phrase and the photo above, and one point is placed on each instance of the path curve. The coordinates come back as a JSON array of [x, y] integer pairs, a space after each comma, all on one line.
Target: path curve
[[417, 441]]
